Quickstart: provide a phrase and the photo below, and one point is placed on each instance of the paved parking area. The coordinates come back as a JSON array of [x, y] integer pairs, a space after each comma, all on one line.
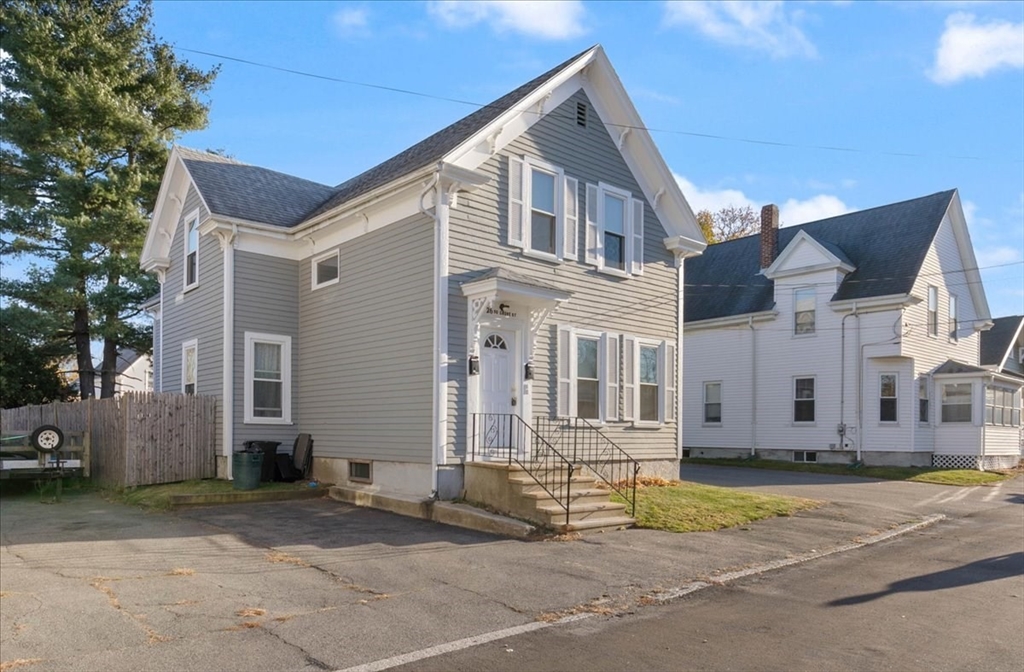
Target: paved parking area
[[307, 585]]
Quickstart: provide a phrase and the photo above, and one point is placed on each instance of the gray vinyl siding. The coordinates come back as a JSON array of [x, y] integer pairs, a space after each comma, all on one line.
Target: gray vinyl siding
[[642, 306], [366, 365], [266, 302], [198, 313]]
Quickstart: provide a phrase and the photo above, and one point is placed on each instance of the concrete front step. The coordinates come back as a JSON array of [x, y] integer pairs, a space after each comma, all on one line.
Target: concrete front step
[[596, 525], [582, 495], [582, 512]]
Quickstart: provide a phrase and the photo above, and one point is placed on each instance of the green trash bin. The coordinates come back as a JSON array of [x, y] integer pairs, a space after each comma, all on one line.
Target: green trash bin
[[245, 470]]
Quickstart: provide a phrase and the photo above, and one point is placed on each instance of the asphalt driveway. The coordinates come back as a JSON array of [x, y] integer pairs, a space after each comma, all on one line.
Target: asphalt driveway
[[315, 584]]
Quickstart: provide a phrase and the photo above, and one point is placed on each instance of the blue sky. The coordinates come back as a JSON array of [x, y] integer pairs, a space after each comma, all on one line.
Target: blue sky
[[941, 82]]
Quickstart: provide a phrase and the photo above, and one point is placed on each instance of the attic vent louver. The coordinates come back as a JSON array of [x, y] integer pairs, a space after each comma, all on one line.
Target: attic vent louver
[[581, 114]]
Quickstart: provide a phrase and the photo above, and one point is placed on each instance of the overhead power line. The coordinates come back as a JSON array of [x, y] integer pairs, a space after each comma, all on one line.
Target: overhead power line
[[694, 134]]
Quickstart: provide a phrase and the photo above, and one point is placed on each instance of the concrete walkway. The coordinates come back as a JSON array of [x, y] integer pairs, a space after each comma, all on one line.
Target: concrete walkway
[[318, 584]]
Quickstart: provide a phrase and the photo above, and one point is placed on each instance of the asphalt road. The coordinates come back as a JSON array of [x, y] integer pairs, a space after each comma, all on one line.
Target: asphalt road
[[950, 597]]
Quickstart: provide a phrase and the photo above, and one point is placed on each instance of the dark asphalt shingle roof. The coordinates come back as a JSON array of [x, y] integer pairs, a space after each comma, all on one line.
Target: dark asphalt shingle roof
[[257, 194], [997, 340], [433, 148], [886, 244], [253, 193]]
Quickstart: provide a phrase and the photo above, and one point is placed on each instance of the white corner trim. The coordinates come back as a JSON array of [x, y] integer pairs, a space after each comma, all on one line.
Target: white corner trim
[[228, 379]]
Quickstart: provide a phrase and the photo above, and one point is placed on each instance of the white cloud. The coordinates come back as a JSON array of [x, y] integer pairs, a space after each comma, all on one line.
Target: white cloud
[[812, 209], [793, 211], [350, 21], [554, 20], [713, 199], [968, 49], [761, 26], [997, 255]]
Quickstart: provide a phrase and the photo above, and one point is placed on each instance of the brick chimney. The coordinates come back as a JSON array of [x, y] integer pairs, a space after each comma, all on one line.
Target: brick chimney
[[769, 234]]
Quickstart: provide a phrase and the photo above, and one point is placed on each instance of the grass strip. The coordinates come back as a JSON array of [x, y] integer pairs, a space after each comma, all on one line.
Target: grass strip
[[693, 507], [961, 477]]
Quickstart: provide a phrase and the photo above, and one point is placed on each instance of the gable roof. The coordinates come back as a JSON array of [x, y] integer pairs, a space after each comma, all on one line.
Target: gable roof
[[997, 341], [951, 366], [234, 189], [434, 148], [886, 245]]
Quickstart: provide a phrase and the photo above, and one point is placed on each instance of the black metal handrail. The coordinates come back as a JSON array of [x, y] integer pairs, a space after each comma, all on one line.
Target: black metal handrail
[[589, 446], [506, 436]]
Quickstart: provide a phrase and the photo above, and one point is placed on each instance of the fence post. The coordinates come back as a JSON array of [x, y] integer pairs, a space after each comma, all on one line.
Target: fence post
[[87, 441]]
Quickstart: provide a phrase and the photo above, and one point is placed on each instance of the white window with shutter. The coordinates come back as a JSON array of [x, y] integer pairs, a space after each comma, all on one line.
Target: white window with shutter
[[615, 230], [588, 374], [649, 381], [543, 210]]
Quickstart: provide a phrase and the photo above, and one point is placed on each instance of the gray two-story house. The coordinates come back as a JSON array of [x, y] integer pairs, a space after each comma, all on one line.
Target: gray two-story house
[[456, 304]]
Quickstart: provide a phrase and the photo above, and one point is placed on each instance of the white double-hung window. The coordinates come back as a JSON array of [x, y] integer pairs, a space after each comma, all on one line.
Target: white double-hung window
[[648, 381], [615, 230], [268, 364], [543, 207], [588, 374]]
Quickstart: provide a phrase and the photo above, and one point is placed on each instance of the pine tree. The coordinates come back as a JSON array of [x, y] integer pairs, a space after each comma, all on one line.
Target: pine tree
[[90, 102]]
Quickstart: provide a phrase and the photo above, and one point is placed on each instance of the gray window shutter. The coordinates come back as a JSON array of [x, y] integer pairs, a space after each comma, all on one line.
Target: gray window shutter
[[516, 202], [593, 241], [637, 257], [629, 377], [572, 219]]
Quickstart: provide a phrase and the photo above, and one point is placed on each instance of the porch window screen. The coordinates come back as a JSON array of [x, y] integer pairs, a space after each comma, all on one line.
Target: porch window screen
[[1002, 407], [267, 382], [956, 402]]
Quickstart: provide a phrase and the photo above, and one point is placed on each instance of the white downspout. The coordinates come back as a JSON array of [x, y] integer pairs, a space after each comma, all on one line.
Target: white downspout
[[680, 290], [439, 402], [753, 387], [228, 392]]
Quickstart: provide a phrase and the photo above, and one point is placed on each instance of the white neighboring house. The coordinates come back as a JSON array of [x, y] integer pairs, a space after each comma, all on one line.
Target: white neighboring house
[[850, 338], [134, 373], [1002, 351]]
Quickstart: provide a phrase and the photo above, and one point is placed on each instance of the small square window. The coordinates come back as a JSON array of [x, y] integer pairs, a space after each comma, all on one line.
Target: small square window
[[805, 456], [326, 270], [360, 471]]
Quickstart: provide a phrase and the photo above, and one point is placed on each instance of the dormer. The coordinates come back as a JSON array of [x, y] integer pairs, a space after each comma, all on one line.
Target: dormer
[[806, 255]]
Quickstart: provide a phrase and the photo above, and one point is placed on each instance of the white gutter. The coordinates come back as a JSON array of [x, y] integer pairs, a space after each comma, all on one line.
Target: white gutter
[[732, 320]]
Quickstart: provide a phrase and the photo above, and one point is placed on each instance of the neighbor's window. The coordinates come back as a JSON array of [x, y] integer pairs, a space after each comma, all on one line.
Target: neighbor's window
[[588, 379], [326, 269], [189, 366], [267, 378], [933, 310], [922, 399], [888, 409], [192, 251], [956, 402], [803, 400], [713, 402], [803, 313], [954, 322], [1002, 407]]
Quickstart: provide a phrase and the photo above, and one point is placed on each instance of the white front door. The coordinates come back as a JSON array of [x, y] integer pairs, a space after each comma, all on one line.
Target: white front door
[[498, 391]]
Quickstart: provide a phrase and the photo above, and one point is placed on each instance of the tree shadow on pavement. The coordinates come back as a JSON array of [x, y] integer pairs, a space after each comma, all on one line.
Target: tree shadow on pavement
[[980, 571]]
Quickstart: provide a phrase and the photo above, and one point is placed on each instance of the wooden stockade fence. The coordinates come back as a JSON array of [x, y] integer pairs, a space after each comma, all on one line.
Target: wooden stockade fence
[[139, 438]]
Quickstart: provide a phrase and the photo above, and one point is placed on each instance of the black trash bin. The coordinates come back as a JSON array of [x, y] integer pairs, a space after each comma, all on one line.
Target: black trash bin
[[245, 470], [269, 451]]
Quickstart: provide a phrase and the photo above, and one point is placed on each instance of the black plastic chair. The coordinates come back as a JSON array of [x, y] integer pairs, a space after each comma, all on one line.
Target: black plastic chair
[[295, 467]]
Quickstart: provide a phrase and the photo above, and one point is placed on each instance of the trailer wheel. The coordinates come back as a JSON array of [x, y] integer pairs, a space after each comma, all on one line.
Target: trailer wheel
[[47, 438]]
